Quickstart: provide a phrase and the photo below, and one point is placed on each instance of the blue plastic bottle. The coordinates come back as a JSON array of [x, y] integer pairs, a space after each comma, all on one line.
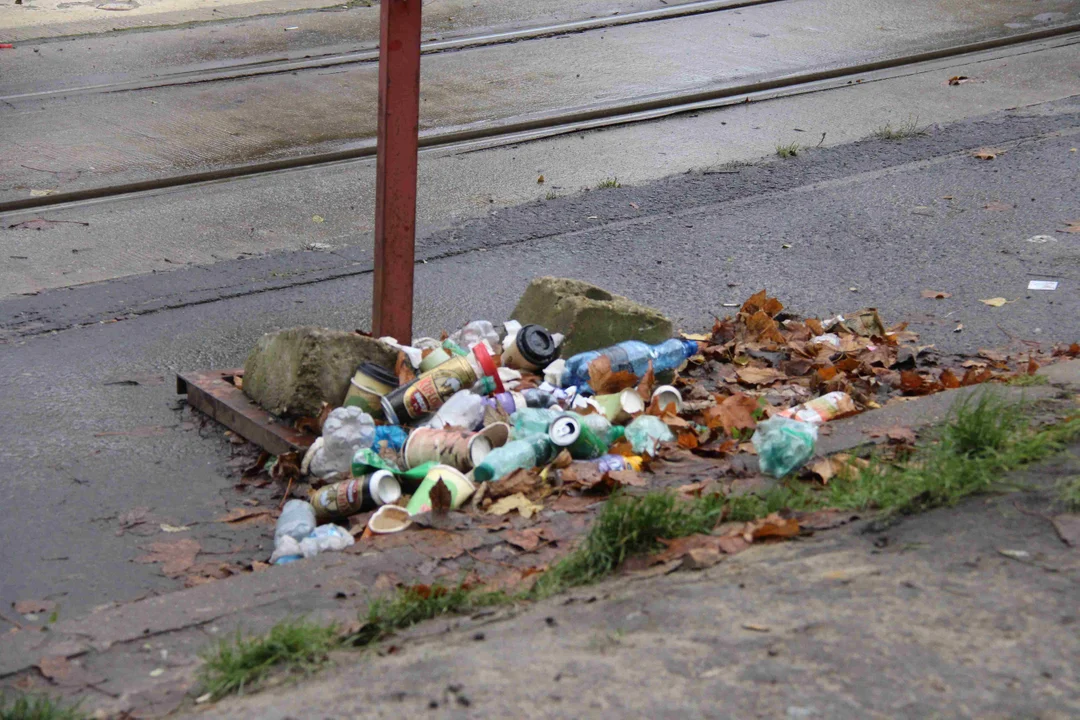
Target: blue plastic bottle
[[630, 356]]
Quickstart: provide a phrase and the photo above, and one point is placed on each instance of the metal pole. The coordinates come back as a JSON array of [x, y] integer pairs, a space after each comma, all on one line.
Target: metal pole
[[395, 183]]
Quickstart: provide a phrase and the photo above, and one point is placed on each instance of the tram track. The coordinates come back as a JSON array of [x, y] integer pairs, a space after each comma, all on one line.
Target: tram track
[[638, 109]]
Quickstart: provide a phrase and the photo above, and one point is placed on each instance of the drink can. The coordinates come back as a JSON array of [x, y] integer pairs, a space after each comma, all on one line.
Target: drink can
[[570, 432], [427, 393], [348, 497]]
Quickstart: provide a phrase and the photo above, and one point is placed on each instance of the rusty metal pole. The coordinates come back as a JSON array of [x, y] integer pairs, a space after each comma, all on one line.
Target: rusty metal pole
[[395, 181]]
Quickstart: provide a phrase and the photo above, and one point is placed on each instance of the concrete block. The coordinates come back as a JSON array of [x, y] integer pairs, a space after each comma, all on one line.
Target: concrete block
[[293, 371], [589, 317]]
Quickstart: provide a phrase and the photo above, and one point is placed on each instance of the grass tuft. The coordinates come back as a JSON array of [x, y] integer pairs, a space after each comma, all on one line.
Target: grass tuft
[[37, 707], [1028, 380], [626, 526], [294, 645], [551, 195], [984, 439], [1069, 492], [611, 182], [411, 605], [786, 151], [907, 129]]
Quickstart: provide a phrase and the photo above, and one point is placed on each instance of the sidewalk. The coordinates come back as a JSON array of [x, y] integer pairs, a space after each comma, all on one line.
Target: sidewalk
[[967, 612]]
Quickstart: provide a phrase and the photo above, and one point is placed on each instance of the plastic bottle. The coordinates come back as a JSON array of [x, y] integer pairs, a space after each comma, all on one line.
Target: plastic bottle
[[630, 356], [603, 428], [570, 431], [464, 409], [533, 421], [525, 453], [645, 431], [297, 521], [614, 463], [346, 430], [783, 444], [324, 538]]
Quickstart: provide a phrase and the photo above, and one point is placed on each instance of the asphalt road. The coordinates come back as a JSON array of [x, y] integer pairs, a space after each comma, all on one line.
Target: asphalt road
[[886, 218]]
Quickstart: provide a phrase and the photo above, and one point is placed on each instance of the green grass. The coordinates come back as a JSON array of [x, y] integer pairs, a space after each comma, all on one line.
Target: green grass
[[235, 665], [37, 707], [907, 129], [551, 195], [786, 151], [412, 605], [1069, 492], [984, 439], [611, 182], [1028, 380], [626, 526]]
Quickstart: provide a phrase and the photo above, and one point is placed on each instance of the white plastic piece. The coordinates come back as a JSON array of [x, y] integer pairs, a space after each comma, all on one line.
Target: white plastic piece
[[305, 464], [326, 538], [553, 373], [510, 377], [1039, 239], [346, 430], [286, 547], [511, 328], [415, 355], [478, 331], [1042, 285], [464, 409], [827, 339]]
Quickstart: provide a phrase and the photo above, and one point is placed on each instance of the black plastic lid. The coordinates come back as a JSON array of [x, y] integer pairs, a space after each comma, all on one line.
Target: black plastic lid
[[536, 345], [378, 373]]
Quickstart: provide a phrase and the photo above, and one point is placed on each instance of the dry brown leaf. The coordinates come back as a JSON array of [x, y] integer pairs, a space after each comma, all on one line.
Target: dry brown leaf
[[1072, 227], [176, 557], [647, 384], [62, 671], [403, 369], [680, 547], [525, 507], [441, 499], [527, 539], [997, 207], [900, 435], [759, 376], [732, 413], [948, 379], [627, 477], [825, 519], [840, 464], [243, 515], [936, 294], [760, 301], [770, 526], [763, 328], [985, 154], [605, 382], [960, 79], [994, 302], [1068, 528]]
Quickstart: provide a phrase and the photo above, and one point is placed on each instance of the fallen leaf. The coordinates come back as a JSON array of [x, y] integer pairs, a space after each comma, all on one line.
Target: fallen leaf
[[984, 154], [165, 527], [770, 526], [62, 671], [1072, 227], [1068, 528], [994, 302], [33, 607], [176, 557], [540, 180], [605, 382], [41, 193], [525, 507], [759, 376], [936, 294], [647, 384], [627, 477], [959, 327], [733, 413], [701, 558], [997, 207], [901, 435], [756, 627], [680, 547], [525, 481], [441, 499], [403, 369], [825, 519], [527, 539], [948, 379], [244, 514], [840, 464], [317, 219], [959, 79]]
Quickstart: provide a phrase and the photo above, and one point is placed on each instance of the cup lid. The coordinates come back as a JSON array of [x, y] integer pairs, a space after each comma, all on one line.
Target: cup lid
[[379, 373], [536, 345]]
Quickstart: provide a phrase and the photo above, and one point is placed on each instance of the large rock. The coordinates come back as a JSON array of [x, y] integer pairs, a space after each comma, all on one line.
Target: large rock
[[293, 371], [589, 317]]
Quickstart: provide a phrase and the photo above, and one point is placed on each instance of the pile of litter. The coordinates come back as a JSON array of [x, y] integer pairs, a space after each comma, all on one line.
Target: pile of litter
[[470, 429]]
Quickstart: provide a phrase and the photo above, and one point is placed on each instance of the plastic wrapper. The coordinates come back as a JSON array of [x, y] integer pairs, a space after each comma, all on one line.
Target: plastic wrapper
[[783, 444]]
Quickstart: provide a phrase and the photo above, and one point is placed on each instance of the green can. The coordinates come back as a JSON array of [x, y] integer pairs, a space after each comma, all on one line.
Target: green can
[[569, 431]]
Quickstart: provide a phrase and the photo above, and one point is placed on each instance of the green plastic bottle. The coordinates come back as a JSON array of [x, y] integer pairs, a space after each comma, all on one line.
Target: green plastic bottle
[[524, 453]]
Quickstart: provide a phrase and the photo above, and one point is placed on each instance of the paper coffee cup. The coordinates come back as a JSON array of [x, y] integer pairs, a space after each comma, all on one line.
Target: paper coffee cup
[[668, 395], [621, 407], [389, 519]]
